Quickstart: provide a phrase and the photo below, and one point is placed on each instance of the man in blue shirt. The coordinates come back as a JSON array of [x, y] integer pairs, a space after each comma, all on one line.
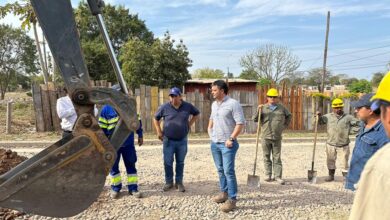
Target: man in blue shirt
[[176, 114], [371, 137]]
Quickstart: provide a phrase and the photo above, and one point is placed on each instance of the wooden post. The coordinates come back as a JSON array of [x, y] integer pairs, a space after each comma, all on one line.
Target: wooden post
[[9, 118], [39, 122]]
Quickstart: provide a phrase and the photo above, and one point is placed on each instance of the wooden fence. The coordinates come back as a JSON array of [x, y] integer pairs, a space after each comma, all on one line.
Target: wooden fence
[[150, 98]]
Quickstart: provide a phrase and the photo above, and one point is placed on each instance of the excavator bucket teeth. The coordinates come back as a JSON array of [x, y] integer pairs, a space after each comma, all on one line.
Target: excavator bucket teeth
[[61, 181]]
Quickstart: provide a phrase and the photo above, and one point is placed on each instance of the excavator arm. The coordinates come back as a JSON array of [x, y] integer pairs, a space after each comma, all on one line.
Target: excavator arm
[[67, 177]]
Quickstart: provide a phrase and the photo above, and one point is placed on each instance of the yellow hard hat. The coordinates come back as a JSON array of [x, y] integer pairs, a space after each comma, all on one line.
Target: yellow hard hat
[[336, 103], [272, 92], [381, 92]]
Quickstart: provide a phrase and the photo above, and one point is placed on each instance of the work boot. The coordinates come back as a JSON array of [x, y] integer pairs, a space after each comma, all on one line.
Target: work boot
[[137, 194], [221, 197], [280, 181], [114, 194], [331, 175], [229, 205], [180, 187], [268, 179], [167, 187]]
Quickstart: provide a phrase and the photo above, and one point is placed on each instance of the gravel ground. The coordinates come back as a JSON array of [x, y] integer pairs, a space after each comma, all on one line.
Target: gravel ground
[[296, 200]]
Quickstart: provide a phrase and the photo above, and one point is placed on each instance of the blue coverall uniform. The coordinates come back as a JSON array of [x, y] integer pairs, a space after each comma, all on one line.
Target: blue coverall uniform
[[108, 119]]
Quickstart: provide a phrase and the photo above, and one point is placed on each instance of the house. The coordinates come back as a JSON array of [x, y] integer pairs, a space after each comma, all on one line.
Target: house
[[204, 85]]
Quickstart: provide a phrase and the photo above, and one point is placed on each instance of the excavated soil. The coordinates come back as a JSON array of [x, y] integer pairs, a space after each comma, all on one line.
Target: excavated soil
[[8, 160]]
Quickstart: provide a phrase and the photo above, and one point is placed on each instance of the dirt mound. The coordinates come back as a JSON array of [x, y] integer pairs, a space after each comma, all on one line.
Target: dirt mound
[[8, 160]]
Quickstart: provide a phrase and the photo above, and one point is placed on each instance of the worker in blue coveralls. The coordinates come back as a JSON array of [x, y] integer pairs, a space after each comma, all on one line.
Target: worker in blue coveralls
[[107, 121]]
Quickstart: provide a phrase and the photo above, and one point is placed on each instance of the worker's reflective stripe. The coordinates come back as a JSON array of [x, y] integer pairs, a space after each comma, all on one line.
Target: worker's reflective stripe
[[102, 125], [113, 120], [103, 120], [132, 179], [116, 179], [109, 127]]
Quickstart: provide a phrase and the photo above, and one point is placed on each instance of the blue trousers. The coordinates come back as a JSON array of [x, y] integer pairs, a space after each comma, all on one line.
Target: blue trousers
[[224, 159], [129, 156], [174, 150]]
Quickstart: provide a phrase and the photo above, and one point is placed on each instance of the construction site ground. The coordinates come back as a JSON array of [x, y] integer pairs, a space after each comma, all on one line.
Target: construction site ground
[[298, 199]]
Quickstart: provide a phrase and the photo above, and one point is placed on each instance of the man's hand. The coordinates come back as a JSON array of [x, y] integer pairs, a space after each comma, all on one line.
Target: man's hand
[[160, 136], [140, 141], [318, 113], [260, 106], [229, 143]]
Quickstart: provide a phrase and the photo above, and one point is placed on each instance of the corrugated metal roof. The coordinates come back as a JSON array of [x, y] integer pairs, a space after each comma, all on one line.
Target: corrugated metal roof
[[204, 81]]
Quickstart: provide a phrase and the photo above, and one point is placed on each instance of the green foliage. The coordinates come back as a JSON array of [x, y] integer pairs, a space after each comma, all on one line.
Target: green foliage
[[23, 10], [121, 26], [348, 96], [161, 64], [17, 57], [264, 82], [249, 74], [320, 95], [377, 78], [361, 86], [208, 73]]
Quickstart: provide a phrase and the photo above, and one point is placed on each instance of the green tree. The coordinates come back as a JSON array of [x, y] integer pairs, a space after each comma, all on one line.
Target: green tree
[[361, 86], [271, 61], [208, 73], [314, 77], [17, 57], [249, 74], [26, 14], [377, 78], [121, 26], [161, 64]]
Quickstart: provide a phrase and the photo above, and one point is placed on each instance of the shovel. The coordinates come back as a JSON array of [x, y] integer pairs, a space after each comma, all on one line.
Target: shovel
[[253, 180], [312, 174]]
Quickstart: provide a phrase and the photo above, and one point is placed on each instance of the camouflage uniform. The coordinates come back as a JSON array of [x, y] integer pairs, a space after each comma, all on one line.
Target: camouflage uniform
[[273, 122]]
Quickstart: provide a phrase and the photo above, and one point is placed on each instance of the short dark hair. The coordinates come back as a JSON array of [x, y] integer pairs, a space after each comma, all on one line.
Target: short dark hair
[[221, 84], [65, 90]]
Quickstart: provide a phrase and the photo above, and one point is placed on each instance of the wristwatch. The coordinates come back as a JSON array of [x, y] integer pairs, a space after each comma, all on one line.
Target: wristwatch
[[232, 139]]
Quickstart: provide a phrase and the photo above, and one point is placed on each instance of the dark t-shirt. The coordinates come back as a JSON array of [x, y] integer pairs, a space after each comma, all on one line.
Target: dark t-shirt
[[176, 124]]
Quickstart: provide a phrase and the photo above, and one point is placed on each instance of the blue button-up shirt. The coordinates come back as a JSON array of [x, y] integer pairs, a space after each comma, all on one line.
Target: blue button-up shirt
[[368, 141]]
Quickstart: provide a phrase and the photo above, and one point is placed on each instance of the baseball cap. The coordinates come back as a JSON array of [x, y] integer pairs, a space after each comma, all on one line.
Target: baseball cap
[[175, 91], [364, 101]]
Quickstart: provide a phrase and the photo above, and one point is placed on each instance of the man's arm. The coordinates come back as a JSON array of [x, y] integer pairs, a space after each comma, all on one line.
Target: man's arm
[[158, 128], [193, 119], [210, 128]]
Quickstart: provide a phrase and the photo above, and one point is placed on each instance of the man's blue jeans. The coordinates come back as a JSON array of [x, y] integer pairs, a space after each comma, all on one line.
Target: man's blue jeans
[[224, 159], [174, 150]]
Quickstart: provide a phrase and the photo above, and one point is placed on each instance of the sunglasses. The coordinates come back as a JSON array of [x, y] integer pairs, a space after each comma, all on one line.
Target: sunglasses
[[272, 97], [173, 96]]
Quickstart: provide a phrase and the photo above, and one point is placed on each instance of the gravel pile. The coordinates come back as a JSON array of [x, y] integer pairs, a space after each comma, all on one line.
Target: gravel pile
[[296, 200]]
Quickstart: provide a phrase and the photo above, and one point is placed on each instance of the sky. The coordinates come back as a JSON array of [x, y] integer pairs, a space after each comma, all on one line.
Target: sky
[[219, 32]]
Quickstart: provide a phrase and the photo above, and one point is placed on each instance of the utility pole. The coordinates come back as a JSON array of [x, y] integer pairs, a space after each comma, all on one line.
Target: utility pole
[[325, 53]]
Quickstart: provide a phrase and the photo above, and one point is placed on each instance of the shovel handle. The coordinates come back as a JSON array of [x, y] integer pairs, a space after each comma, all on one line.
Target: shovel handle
[[257, 139], [315, 141]]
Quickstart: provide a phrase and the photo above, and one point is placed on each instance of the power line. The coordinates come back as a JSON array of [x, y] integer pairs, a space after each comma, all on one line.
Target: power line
[[361, 67], [352, 52], [359, 59]]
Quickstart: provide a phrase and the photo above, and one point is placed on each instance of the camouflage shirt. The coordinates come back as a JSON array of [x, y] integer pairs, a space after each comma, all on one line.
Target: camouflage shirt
[[339, 128], [273, 122]]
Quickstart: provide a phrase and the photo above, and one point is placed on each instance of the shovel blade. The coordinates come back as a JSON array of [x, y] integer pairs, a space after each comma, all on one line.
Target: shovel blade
[[312, 176], [253, 181]]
